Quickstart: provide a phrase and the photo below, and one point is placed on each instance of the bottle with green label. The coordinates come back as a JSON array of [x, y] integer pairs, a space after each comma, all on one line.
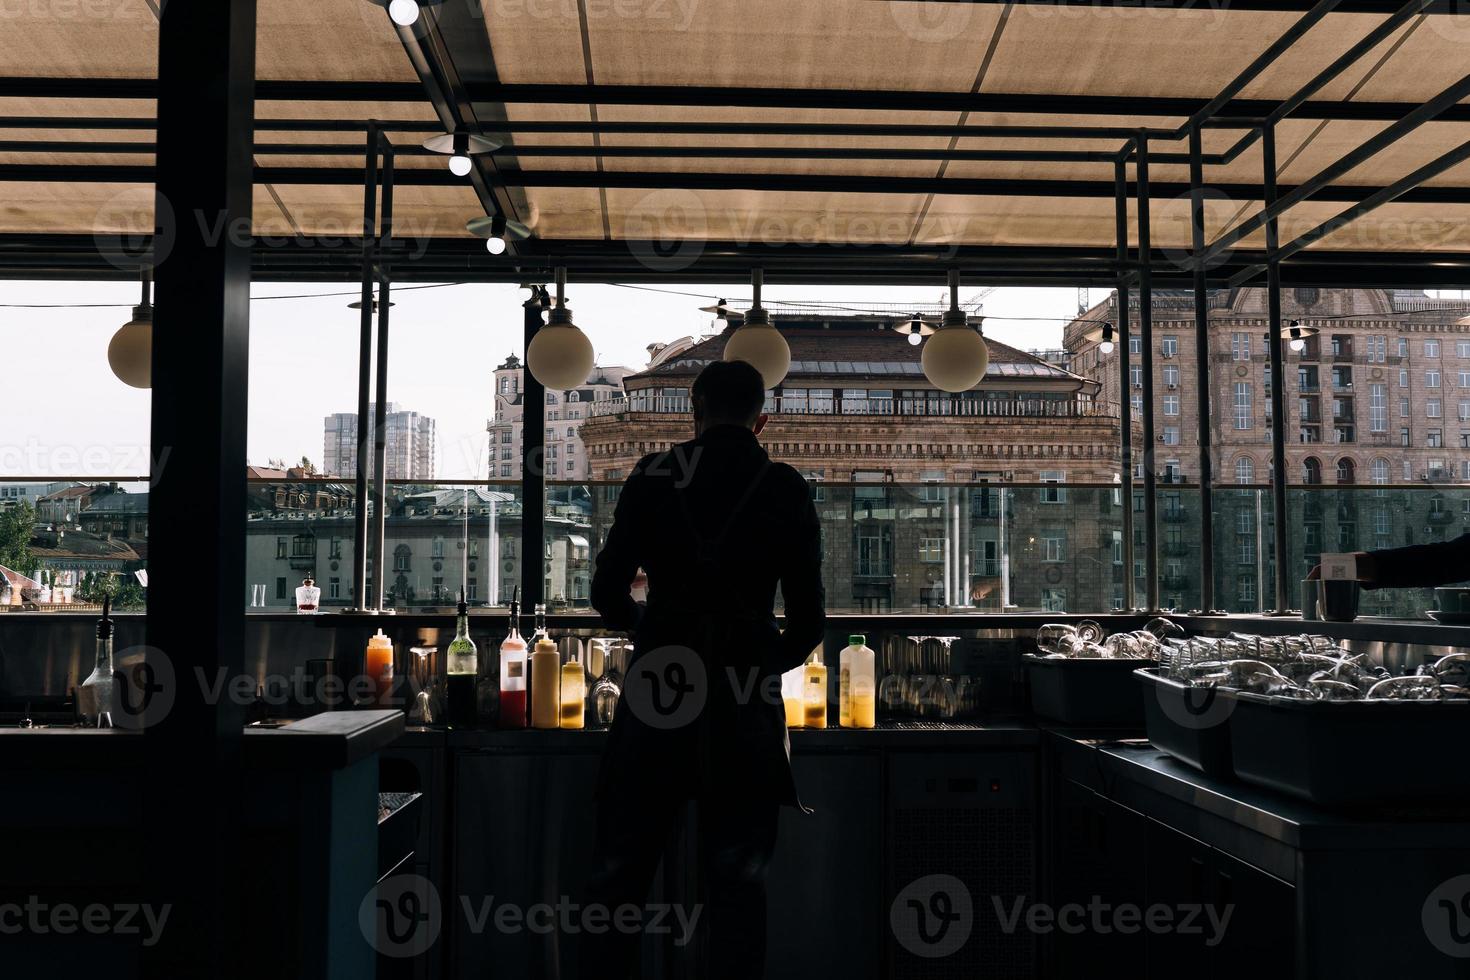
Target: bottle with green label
[[857, 684]]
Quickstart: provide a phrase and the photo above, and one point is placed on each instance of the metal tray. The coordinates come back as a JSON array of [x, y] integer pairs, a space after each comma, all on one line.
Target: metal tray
[[1352, 753], [1086, 692], [1190, 723]]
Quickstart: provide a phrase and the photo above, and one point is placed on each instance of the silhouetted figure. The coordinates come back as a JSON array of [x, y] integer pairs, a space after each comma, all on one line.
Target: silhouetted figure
[[716, 526]]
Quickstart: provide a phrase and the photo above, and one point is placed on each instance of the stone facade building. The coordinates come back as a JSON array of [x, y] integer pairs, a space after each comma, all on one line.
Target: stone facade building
[[1379, 399], [928, 499], [566, 459]]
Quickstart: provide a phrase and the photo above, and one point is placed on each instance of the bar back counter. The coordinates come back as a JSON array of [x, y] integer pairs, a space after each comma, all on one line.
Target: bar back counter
[[994, 843]]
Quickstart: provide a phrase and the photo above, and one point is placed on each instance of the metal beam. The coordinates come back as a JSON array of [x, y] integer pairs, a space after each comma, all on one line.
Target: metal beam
[[1279, 401], [1202, 377], [193, 775], [1125, 380], [1434, 108], [1146, 360], [1211, 7], [360, 599], [533, 465], [1142, 107], [380, 408]]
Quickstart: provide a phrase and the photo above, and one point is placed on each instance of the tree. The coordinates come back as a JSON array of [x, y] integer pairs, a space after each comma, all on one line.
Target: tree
[[17, 524], [308, 466]]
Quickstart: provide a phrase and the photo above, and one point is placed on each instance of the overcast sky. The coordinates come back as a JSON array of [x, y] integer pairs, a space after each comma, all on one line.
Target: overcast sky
[[65, 414]]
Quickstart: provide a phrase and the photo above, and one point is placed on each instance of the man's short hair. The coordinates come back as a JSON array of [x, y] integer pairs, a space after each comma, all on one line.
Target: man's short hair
[[729, 391]]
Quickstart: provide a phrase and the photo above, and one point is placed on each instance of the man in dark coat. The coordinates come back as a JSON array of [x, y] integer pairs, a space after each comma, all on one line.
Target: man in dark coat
[[716, 526]]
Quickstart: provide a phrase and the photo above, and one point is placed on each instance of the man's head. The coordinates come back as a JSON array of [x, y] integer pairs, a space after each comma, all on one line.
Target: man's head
[[728, 393]]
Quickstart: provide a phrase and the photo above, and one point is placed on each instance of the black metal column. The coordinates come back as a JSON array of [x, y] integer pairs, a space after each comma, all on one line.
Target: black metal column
[[1124, 341], [360, 599], [1279, 402], [1146, 339], [533, 468], [1202, 375], [380, 411], [196, 616]]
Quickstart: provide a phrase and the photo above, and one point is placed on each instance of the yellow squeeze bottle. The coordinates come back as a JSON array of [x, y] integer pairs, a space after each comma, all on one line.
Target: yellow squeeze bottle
[[814, 691], [545, 685]]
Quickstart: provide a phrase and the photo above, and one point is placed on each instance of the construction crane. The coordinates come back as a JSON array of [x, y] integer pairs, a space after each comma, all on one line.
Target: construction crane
[[974, 302]]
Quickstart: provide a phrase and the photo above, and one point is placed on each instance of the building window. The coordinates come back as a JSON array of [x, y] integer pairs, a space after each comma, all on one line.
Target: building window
[[1135, 344], [1311, 471], [1405, 436], [1054, 547], [1173, 472], [334, 588], [1435, 439], [1053, 495], [1342, 377], [1433, 408], [1245, 471], [1171, 435], [1137, 402], [505, 437], [1054, 600], [335, 548], [280, 547], [1170, 345], [1431, 348], [1135, 375], [1240, 347], [931, 549], [280, 588], [1431, 379], [1378, 408], [401, 558], [1380, 471], [1171, 405], [1171, 375], [1378, 348], [1243, 418], [1403, 377], [1346, 471], [505, 469]]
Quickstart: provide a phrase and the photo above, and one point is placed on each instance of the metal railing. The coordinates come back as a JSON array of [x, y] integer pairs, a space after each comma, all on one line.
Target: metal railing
[[882, 407]]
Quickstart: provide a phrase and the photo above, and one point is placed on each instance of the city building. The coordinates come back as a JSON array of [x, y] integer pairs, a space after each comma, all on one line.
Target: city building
[[30, 493], [954, 501], [566, 459], [411, 445], [1379, 397]]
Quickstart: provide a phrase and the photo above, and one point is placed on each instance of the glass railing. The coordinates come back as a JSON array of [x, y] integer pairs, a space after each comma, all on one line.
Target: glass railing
[[888, 547]]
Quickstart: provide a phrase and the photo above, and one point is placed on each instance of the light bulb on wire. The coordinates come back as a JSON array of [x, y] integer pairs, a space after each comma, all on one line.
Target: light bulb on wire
[[915, 337], [495, 246], [459, 165], [405, 13], [1107, 346], [1298, 344]]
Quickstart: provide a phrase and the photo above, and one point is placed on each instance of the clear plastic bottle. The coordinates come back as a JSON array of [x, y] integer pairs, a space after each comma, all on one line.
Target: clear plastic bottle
[[513, 671], [95, 697], [791, 696], [857, 684], [814, 691], [545, 685]]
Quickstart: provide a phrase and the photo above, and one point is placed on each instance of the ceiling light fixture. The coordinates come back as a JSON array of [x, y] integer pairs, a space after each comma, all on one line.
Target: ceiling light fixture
[[560, 356], [405, 13], [915, 329], [496, 231], [757, 342], [1295, 334], [720, 311], [955, 359], [461, 147], [1106, 346], [130, 352]]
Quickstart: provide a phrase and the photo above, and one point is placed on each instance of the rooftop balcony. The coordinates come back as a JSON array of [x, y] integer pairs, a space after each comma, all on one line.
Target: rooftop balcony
[[939, 407]]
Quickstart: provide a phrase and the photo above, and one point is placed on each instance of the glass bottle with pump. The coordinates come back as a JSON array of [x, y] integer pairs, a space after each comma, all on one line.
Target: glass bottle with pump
[[513, 670], [573, 692], [857, 684], [462, 666], [545, 685], [814, 691], [94, 699]]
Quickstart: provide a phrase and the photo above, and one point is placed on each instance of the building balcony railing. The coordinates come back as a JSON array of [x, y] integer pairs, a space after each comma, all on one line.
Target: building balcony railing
[[881, 407]]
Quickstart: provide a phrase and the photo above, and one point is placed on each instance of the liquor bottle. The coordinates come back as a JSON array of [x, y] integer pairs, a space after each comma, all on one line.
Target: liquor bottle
[[513, 670], [538, 631], [857, 684], [308, 596], [378, 663], [814, 691], [545, 685], [462, 667], [94, 700], [573, 692]]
